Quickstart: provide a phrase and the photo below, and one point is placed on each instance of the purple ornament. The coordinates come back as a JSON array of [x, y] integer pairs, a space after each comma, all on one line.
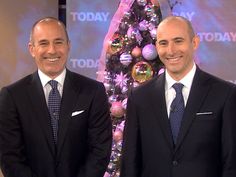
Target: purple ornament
[[149, 52], [149, 10], [121, 80], [155, 19], [125, 59], [143, 25], [133, 33], [153, 33]]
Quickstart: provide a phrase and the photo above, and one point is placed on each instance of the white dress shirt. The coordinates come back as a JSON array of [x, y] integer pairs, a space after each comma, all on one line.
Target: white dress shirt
[[46, 86], [170, 91]]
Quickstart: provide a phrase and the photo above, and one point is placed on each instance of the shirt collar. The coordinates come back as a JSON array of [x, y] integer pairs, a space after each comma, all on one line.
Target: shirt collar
[[45, 79], [186, 80]]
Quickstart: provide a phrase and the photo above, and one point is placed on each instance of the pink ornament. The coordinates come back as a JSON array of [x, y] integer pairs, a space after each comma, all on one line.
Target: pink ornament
[[136, 52], [117, 135], [117, 109], [106, 174]]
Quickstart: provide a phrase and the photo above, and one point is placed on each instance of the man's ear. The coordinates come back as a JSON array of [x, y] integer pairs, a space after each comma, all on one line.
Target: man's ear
[[31, 49], [196, 42]]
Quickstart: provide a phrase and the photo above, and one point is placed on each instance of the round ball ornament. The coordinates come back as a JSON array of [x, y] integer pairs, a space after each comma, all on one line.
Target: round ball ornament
[[117, 174], [125, 59], [153, 33], [155, 3], [142, 2], [117, 109], [155, 19], [136, 84], [149, 52], [132, 32], [115, 44], [107, 174], [142, 71], [143, 25], [112, 98], [149, 10], [124, 89], [117, 135], [127, 14], [111, 167], [119, 145], [136, 52]]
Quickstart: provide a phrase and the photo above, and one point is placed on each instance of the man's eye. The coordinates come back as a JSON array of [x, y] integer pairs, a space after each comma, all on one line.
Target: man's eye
[[162, 43], [179, 41], [43, 44], [59, 42]]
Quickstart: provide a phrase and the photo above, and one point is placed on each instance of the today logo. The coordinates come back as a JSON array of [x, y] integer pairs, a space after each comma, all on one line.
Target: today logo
[[84, 63], [90, 16], [217, 36]]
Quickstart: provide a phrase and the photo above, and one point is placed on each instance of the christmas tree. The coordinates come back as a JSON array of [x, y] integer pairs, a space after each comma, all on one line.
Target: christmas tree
[[130, 60]]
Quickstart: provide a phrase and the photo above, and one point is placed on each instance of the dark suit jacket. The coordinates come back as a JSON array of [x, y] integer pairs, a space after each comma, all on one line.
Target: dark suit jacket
[[26, 141], [206, 145]]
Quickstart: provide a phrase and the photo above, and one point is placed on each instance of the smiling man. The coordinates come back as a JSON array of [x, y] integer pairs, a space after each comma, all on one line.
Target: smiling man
[[181, 123], [54, 123]]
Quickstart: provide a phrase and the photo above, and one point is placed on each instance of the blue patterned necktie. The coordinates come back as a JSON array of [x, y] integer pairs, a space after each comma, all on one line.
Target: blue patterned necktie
[[176, 111], [54, 103]]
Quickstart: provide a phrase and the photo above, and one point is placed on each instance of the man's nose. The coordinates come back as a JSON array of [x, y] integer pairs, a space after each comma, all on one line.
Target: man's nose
[[171, 49], [51, 49]]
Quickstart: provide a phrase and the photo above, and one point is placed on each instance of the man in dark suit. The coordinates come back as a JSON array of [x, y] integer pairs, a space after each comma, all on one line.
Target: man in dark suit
[[204, 145], [33, 143]]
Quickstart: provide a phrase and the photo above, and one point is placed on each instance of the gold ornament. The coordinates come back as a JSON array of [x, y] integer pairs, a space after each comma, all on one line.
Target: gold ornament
[[115, 44], [142, 71]]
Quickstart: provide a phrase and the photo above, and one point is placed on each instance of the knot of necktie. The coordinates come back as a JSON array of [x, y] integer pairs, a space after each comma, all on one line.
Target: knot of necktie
[[53, 84], [178, 88]]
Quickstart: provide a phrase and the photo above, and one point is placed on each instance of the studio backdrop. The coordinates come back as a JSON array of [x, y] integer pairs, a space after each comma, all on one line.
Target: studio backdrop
[[16, 20], [214, 20]]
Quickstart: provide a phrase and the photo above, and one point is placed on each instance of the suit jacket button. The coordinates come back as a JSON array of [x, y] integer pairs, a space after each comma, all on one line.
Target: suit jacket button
[[175, 162]]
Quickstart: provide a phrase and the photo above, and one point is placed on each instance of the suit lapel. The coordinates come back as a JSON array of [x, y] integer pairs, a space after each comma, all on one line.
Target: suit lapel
[[40, 109], [158, 95], [69, 98], [197, 95]]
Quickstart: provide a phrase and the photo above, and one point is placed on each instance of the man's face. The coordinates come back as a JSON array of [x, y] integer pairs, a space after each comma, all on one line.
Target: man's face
[[49, 47], [176, 47]]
